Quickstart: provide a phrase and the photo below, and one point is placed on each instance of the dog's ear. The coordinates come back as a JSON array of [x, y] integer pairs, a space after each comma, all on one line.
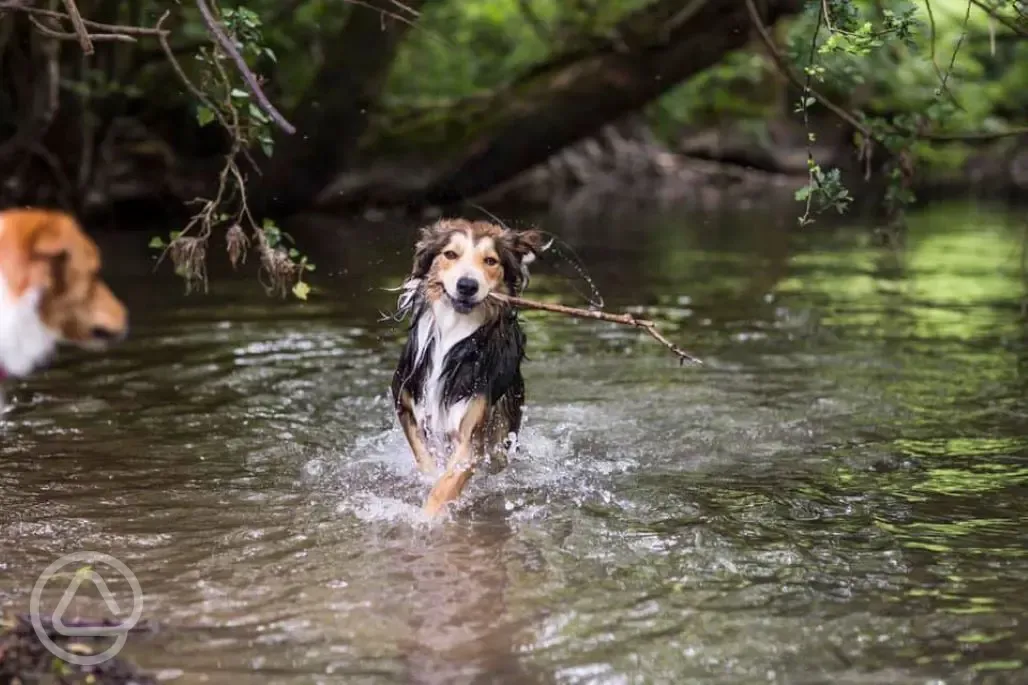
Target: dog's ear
[[525, 246], [425, 250], [38, 253], [528, 245]]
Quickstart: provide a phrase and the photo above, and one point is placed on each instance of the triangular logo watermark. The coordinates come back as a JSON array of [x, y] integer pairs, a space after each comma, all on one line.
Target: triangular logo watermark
[[57, 618]]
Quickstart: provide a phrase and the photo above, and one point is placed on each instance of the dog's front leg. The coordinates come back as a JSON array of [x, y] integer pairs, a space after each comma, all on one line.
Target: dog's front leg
[[415, 436], [461, 465]]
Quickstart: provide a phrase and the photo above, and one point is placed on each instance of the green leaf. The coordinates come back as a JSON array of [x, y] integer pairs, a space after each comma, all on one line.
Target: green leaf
[[174, 235], [271, 55], [301, 290], [157, 243], [249, 17], [293, 253], [239, 93], [267, 145], [257, 114], [204, 115]]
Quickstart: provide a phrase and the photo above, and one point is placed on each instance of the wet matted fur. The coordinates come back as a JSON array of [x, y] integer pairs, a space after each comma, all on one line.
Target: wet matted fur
[[458, 389]]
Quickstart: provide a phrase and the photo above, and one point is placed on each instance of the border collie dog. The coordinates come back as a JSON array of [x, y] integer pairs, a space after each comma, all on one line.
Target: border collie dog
[[458, 389]]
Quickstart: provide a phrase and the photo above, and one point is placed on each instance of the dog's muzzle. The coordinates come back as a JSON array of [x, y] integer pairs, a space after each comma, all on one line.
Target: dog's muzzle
[[467, 289]]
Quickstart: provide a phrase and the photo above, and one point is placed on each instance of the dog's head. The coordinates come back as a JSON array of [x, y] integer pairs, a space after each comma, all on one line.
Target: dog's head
[[461, 262], [50, 290]]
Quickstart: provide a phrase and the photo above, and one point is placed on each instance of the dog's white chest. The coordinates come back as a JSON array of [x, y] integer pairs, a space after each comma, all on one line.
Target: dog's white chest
[[440, 329], [24, 340]]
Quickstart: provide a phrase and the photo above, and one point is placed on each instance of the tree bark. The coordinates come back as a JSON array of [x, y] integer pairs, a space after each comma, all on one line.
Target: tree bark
[[572, 97], [333, 115]]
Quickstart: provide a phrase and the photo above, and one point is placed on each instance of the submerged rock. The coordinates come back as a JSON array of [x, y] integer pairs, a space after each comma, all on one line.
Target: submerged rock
[[25, 660]]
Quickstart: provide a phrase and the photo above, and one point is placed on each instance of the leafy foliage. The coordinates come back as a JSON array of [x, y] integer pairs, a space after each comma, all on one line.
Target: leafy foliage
[[908, 72], [461, 48]]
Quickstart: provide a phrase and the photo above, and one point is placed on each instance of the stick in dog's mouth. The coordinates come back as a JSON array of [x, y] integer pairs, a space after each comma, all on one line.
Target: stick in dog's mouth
[[623, 319]]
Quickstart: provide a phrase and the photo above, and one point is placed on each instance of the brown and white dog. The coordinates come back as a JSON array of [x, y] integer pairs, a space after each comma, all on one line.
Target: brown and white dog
[[458, 389], [50, 291]]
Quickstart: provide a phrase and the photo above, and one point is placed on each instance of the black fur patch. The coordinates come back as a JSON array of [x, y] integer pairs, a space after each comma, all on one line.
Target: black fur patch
[[407, 376], [487, 363]]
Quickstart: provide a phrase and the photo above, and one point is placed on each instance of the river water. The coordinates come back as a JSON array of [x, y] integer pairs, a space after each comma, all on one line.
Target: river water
[[838, 495]]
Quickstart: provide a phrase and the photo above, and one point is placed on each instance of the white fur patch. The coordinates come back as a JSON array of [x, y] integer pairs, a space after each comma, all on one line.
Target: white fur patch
[[466, 265], [443, 326], [25, 342]]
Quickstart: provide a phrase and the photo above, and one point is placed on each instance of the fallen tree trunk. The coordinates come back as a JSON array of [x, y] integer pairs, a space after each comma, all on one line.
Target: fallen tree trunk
[[560, 102]]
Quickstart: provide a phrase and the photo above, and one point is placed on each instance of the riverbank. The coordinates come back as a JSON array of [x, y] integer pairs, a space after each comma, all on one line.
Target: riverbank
[[623, 164]]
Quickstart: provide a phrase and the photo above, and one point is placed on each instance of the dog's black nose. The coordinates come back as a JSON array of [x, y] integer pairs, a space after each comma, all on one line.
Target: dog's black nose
[[108, 335], [466, 287]]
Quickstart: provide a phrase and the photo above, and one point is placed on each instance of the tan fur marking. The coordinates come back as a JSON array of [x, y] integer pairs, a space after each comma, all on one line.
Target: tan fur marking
[[462, 463], [488, 260], [415, 436]]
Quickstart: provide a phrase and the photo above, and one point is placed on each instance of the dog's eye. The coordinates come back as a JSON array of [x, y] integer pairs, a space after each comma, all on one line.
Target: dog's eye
[[450, 254], [491, 261]]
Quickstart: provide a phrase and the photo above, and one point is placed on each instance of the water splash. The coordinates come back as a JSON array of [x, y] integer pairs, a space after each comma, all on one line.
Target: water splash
[[376, 481], [562, 249]]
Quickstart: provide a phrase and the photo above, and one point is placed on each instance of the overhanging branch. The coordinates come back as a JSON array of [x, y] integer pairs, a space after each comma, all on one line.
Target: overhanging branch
[[852, 118]]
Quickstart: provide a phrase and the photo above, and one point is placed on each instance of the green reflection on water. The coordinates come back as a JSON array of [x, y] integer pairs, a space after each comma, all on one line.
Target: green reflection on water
[[930, 288], [1002, 665]]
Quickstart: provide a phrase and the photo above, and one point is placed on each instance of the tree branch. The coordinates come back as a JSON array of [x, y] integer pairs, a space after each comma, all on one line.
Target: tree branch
[[80, 27], [623, 319], [16, 6], [849, 117], [251, 81], [1006, 21], [783, 66], [95, 37]]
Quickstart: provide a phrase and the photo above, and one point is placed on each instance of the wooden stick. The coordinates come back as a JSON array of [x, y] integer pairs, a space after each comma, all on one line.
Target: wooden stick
[[623, 319]]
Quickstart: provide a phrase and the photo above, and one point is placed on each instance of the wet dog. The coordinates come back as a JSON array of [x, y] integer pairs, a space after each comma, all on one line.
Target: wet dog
[[458, 389], [50, 291]]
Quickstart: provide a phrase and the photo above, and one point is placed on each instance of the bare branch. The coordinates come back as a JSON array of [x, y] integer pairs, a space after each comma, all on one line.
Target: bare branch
[[943, 78], [16, 6], [80, 27], [623, 319], [1006, 21], [96, 37], [251, 81], [384, 14], [410, 10], [956, 49]]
